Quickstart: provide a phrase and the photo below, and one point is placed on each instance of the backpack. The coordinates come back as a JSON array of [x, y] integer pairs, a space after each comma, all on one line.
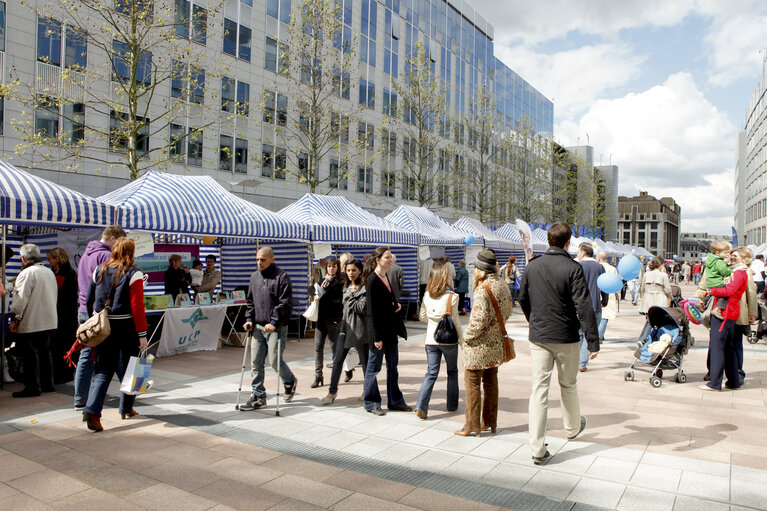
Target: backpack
[[446, 332]]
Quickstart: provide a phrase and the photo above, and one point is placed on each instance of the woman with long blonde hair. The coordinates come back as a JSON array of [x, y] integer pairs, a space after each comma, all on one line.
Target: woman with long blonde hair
[[118, 285]]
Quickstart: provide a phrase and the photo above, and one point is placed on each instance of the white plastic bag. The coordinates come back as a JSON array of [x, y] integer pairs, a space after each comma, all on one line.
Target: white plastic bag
[[313, 311], [351, 360], [136, 379]]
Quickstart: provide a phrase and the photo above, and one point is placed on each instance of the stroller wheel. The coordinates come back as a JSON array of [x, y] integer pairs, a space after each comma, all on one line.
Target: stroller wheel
[[659, 373], [752, 337], [655, 382], [681, 378], [626, 376]]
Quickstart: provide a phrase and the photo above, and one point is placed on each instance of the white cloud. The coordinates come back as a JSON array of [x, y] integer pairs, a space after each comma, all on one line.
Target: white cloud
[[733, 48], [670, 141], [574, 79], [545, 20]]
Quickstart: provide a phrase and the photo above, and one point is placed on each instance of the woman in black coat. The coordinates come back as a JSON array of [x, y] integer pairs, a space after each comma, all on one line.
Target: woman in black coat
[[330, 316], [384, 326], [66, 307], [177, 278]]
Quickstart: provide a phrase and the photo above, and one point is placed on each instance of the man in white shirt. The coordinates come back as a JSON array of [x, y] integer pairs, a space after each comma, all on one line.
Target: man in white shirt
[[757, 266]]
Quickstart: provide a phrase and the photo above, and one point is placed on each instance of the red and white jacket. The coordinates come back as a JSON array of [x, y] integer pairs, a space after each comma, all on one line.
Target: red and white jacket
[[128, 297]]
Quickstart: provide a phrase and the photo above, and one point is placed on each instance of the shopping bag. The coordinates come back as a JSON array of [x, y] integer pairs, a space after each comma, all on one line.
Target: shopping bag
[[136, 379], [313, 311], [352, 359]]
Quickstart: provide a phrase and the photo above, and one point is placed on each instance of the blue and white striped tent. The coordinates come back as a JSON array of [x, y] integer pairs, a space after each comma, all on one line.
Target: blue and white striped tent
[[198, 206], [333, 219], [30, 200], [432, 230], [492, 240]]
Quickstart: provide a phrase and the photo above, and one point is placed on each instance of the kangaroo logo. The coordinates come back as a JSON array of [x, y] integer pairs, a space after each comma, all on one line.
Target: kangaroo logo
[[196, 317]]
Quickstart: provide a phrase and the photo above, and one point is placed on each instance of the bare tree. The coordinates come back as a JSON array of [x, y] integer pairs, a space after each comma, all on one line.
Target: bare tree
[[423, 99], [314, 71], [529, 158], [99, 91]]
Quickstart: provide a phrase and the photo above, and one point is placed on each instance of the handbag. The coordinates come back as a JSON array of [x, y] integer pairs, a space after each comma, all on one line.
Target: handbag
[[95, 329], [446, 332], [508, 342], [312, 313], [352, 359]]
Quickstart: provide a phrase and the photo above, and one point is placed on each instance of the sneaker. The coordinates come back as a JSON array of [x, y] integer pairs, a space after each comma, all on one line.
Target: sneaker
[[542, 460], [290, 391], [79, 406], [253, 403], [583, 426]]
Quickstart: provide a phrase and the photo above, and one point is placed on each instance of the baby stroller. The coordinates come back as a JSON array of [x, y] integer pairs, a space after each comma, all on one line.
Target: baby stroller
[[760, 332], [676, 296], [671, 321]]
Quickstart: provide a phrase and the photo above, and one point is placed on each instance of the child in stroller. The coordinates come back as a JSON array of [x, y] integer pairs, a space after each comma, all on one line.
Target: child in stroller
[[664, 345]]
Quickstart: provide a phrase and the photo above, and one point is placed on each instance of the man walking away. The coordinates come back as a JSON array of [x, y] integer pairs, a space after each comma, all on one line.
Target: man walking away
[[396, 278], [270, 301], [610, 310], [34, 320], [591, 270], [96, 252], [555, 300]]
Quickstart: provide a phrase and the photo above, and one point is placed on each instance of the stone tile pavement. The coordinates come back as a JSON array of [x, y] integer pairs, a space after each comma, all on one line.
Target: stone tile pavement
[[671, 448]]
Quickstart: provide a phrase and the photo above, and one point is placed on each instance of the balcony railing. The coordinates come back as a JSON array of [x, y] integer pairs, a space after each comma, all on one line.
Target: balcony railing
[[52, 82]]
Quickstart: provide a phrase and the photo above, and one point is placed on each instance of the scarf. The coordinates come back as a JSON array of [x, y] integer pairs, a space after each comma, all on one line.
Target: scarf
[[328, 280]]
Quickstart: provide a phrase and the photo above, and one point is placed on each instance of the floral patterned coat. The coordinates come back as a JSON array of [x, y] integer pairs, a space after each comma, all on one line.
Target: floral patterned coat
[[482, 340]]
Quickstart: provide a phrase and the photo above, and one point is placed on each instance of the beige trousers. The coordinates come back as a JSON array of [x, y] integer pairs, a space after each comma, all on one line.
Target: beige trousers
[[544, 356]]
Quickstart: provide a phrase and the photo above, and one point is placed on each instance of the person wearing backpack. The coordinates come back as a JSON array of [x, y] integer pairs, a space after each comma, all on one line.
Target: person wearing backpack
[[443, 334]]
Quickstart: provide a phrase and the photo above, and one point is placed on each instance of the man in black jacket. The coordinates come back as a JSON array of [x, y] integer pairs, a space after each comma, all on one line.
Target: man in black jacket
[[270, 301], [556, 302], [591, 271]]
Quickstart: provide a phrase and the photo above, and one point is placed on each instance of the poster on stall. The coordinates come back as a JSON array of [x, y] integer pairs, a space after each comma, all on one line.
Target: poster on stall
[[75, 241], [144, 242]]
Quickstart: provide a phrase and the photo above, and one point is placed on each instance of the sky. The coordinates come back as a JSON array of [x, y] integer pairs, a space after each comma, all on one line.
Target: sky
[[657, 87]]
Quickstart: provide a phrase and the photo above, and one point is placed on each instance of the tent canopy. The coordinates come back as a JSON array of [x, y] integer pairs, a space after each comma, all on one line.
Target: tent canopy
[[333, 219], [30, 200], [196, 205], [433, 231], [492, 240]]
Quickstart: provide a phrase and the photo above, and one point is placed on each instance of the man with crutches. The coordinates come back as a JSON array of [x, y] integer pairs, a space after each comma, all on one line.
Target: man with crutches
[[267, 312]]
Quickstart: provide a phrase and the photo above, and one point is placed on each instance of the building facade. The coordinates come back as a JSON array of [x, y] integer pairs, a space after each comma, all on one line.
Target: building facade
[[650, 223], [695, 245], [241, 44], [751, 170]]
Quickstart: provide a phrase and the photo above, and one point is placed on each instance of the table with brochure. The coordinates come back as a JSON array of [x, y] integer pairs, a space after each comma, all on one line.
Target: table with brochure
[[186, 325]]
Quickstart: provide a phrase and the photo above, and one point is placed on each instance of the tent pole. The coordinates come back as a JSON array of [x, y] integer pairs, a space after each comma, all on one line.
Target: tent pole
[[2, 327]]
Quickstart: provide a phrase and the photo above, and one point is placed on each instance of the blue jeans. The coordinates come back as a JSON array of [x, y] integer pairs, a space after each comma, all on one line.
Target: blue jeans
[[261, 345], [371, 394], [121, 344], [434, 354], [602, 327], [84, 371], [584, 345]]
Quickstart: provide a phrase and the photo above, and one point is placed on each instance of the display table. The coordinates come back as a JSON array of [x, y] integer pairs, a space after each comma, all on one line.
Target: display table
[[195, 328]]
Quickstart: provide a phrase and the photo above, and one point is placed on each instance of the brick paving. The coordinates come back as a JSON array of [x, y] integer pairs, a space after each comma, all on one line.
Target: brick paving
[[674, 447]]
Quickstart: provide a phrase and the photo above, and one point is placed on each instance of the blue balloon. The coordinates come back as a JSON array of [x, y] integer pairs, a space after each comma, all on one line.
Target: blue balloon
[[610, 282], [629, 267], [676, 257], [468, 240]]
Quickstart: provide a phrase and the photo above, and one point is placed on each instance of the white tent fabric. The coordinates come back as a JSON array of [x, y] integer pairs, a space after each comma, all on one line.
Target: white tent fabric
[[196, 205], [431, 229], [334, 219], [30, 200], [480, 230]]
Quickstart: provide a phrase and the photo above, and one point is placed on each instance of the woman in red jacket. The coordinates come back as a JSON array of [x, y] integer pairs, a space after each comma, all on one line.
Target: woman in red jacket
[[721, 346]]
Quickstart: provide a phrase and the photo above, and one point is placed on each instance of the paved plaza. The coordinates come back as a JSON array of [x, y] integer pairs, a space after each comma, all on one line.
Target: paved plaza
[[670, 448]]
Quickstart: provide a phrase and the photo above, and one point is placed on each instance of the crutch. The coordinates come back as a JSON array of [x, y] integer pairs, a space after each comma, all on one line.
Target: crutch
[[276, 333], [248, 337]]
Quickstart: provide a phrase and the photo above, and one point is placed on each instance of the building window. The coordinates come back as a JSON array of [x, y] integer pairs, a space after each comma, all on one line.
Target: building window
[[279, 9], [366, 135], [119, 132], [47, 118], [391, 44], [304, 162], [237, 31], [140, 7], [341, 84], [240, 155], [275, 108], [339, 126], [121, 71], [73, 119], [235, 96], [188, 82], [2, 114], [2, 30], [344, 36], [369, 15], [389, 103], [388, 184], [276, 55], [338, 175], [50, 35], [267, 160], [389, 141], [225, 152], [185, 145], [280, 162], [365, 180], [367, 93], [191, 20]]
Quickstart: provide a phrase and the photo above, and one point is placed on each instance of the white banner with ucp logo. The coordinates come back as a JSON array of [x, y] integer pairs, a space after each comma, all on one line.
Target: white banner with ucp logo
[[188, 329]]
